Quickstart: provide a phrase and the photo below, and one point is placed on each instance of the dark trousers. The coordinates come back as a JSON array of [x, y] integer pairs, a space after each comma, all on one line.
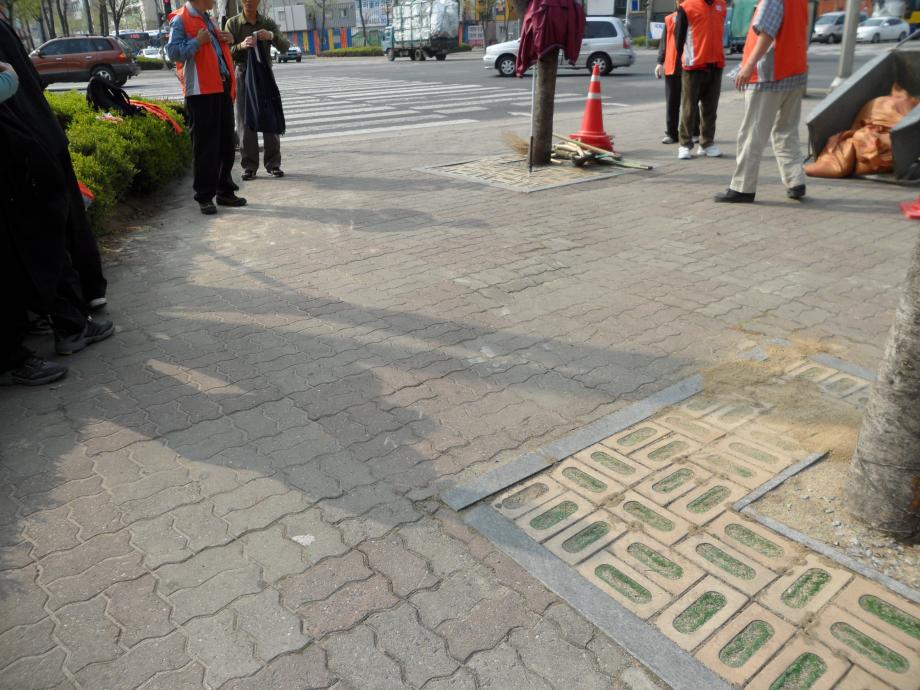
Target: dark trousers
[[211, 127], [672, 91], [81, 242], [248, 138], [701, 86]]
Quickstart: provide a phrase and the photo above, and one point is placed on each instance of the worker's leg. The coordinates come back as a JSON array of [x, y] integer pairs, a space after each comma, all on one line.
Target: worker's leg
[[759, 113], [689, 96], [785, 138], [672, 104], [710, 90]]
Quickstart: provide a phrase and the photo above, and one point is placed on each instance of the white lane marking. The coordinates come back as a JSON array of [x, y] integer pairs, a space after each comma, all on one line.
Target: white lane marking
[[374, 130]]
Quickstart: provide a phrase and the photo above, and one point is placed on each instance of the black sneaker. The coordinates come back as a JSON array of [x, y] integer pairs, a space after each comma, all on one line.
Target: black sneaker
[[34, 371], [230, 200], [207, 207], [730, 196], [796, 192], [93, 332], [234, 186], [248, 175], [276, 172]]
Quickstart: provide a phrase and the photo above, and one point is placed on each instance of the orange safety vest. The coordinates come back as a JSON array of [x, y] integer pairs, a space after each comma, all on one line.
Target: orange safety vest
[[705, 31], [201, 74], [670, 48], [788, 56]]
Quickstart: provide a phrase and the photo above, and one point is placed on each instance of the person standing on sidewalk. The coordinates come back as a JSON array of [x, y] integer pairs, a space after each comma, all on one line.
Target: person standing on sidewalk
[[253, 30], [204, 64], [700, 29], [773, 76], [669, 67]]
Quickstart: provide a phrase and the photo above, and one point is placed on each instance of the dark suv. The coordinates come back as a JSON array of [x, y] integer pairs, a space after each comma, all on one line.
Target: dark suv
[[82, 57]]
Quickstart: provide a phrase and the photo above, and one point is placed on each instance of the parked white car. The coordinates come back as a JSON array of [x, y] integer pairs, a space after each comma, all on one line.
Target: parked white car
[[606, 44], [879, 29], [829, 27]]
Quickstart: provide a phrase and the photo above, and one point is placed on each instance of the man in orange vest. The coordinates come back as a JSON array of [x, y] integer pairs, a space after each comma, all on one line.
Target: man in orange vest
[[202, 57], [669, 67], [773, 76], [700, 28]]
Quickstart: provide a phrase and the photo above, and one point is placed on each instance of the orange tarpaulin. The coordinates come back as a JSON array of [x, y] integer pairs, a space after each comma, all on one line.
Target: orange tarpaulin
[[866, 148]]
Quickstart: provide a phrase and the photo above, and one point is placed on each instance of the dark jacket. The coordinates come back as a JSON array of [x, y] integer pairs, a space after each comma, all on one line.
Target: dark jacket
[[550, 25], [263, 100]]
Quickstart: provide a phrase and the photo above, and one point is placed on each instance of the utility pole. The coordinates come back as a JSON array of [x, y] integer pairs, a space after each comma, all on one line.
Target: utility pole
[[848, 47]]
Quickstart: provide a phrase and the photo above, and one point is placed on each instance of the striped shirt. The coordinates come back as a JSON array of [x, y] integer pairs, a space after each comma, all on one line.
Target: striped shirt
[[769, 20]]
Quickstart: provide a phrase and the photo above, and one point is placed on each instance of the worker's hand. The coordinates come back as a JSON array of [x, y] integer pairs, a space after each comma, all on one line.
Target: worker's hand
[[264, 35], [203, 36], [6, 67], [249, 42], [744, 76], [658, 71], [226, 37]]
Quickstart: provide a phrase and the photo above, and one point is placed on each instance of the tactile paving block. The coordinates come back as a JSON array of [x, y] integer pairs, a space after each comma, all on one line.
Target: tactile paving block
[[696, 429], [554, 515], [882, 609], [700, 405], [659, 563], [587, 481], [671, 448], [809, 371], [629, 588], [746, 474], [802, 664], [671, 482], [773, 440], [864, 645], [754, 454], [707, 501], [719, 559], [586, 537], [860, 679], [525, 497], [734, 414], [805, 589], [659, 522], [635, 437], [745, 643], [842, 385], [860, 398], [755, 540], [699, 612], [616, 465]]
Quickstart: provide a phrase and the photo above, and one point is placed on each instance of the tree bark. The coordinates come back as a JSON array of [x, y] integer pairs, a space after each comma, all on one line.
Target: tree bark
[[48, 12], [103, 19], [363, 25], [883, 486], [544, 102]]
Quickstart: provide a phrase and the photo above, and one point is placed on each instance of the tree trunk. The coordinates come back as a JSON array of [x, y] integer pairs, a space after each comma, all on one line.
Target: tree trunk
[[62, 15], [544, 101], [89, 18], [363, 25], [883, 487], [48, 12], [103, 19]]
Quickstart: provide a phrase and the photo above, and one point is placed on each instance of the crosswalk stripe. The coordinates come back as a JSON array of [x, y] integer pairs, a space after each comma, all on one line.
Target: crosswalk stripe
[[307, 119], [374, 130]]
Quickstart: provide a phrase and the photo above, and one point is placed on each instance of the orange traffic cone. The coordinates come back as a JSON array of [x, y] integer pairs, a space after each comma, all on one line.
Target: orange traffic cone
[[592, 124], [911, 210]]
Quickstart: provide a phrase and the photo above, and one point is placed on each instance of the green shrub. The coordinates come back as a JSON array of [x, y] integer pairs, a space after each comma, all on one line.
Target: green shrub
[[362, 51], [146, 63], [462, 48], [638, 41], [137, 154]]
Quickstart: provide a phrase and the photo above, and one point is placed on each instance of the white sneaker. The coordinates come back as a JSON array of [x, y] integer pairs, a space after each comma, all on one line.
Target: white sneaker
[[667, 139], [98, 303], [711, 151], [683, 153]]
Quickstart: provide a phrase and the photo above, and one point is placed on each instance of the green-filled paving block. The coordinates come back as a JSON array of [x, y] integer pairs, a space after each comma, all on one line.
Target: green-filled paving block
[[554, 515], [869, 647], [654, 561], [648, 516], [586, 537], [752, 540], [746, 644], [699, 612], [623, 584], [890, 614], [802, 674], [726, 562], [805, 588]]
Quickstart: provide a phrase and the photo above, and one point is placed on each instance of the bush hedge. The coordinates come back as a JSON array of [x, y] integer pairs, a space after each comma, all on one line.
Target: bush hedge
[[363, 51], [146, 63], [462, 48], [137, 154]]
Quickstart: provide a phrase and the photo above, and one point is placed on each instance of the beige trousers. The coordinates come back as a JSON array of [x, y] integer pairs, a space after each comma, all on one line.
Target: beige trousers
[[773, 114]]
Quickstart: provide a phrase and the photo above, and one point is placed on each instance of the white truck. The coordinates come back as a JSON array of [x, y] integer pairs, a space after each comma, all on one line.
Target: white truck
[[422, 29]]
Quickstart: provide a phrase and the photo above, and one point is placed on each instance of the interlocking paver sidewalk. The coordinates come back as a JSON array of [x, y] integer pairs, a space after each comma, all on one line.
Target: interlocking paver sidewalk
[[241, 488]]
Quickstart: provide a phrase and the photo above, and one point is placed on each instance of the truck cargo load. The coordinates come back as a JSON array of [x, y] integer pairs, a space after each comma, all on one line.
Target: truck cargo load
[[422, 28]]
